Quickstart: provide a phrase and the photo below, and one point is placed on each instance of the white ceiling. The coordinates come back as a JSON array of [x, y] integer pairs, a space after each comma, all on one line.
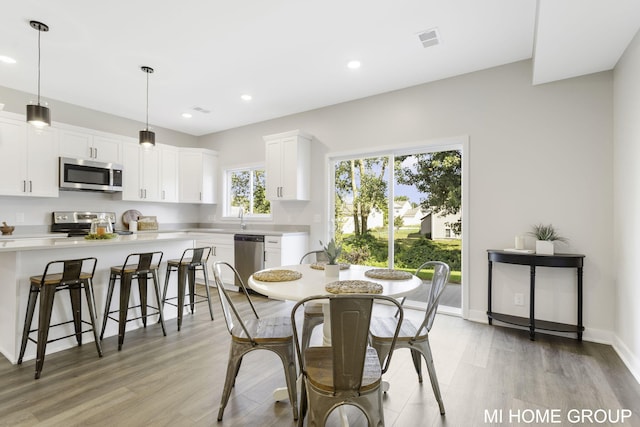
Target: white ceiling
[[290, 55]]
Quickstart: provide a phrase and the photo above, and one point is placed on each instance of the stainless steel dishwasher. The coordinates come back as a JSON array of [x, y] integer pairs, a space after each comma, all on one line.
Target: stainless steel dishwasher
[[249, 256]]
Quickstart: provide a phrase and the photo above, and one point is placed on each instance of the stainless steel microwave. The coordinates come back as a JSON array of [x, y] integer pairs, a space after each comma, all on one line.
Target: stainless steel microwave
[[80, 174]]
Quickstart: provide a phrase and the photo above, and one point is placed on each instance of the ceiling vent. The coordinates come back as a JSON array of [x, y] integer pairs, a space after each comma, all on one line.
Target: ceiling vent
[[429, 37], [201, 110]]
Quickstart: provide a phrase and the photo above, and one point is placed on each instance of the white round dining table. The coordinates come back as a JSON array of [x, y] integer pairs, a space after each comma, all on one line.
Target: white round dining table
[[313, 283]]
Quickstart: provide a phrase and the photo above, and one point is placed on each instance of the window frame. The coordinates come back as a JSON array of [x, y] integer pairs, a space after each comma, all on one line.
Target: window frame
[[228, 211]]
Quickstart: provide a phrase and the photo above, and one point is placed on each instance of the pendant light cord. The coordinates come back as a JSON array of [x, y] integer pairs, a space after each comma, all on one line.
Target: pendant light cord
[[147, 127], [39, 31]]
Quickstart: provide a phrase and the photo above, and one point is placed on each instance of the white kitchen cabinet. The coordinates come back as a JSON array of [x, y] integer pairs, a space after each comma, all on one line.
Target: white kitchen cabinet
[[79, 144], [141, 175], [29, 160], [284, 250], [221, 250], [288, 162], [169, 173], [197, 175]]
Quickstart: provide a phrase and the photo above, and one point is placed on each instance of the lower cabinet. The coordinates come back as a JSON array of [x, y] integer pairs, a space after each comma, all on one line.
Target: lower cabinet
[[286, 249], [221, 250]]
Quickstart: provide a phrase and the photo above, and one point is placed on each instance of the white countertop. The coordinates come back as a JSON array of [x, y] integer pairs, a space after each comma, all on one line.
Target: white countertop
[[8, 245], [22, 243]]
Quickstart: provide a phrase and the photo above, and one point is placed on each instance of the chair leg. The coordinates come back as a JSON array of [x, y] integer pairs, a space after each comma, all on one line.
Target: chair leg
[[125, 292], [206, 287], [88, 292], [417, 363], [105, 316], [156, 288], [142, 290], [76, 308], [166, 284], [428, 358], [302, 411], [235, 357], [182, 283], [31, 306], [47, 294], [288, 358], [191, 274]]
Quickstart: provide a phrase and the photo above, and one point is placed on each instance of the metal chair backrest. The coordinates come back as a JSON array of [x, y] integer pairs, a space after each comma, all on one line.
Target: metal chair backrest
[[231, 315], [314, 256], [350, 320], [438, 283], [71, 269], [198, 256], [144, 260]]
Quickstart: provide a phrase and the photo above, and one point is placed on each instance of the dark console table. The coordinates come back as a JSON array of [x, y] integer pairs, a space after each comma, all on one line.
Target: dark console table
[[532, 260]]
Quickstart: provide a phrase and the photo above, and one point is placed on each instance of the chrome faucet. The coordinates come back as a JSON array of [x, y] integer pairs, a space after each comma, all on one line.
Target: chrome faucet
[[243, 225]]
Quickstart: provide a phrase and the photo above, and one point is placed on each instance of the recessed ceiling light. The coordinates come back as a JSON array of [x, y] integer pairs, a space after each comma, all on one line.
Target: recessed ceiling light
[[187, 115], [246, 97], [7, 59], [354, 65]]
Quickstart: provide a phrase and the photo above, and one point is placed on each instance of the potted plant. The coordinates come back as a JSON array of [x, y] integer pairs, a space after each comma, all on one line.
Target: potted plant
[[332, 251], [545, 236]]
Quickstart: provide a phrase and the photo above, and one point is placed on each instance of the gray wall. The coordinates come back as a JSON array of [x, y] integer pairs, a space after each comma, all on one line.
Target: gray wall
[[536, 154], [627, 205]]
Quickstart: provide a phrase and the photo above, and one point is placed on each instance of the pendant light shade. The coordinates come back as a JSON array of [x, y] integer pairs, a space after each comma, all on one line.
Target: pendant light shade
[[147, 137], [38, 115]]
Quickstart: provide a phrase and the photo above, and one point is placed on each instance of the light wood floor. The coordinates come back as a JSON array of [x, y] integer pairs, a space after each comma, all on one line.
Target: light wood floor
[[177, 380]]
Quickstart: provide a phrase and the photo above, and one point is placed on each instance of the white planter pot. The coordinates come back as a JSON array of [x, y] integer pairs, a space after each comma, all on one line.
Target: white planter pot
[[544, 247], [332, 270]]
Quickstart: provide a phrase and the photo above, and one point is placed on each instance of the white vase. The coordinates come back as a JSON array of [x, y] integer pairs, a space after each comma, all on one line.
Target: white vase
[[332, 270], [544, 247]]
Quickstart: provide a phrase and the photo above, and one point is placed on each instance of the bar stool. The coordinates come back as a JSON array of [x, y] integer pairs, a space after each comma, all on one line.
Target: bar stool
[[139, 266], [72, 278], [192, 259]]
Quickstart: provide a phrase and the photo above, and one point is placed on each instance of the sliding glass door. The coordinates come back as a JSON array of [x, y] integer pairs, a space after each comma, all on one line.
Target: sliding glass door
[[401, 209]]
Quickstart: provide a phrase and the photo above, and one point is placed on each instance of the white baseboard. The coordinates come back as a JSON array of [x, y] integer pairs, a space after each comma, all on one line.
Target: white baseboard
[[628, 358]]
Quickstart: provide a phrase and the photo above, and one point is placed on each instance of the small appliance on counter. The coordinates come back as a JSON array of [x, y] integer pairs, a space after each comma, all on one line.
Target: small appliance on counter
[[77, 223]]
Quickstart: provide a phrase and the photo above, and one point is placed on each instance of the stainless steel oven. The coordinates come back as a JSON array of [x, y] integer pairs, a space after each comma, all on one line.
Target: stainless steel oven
[[80, 174]]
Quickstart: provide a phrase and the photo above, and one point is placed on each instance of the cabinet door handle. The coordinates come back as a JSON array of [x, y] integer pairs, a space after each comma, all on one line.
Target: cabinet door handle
[[145, 193], [141, 194], [215, 252], [30, 186], [201, 196], [24, 186], [95, 151]]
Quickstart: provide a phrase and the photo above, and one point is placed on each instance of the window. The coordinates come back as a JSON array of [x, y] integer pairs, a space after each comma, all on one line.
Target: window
[[246, 190]]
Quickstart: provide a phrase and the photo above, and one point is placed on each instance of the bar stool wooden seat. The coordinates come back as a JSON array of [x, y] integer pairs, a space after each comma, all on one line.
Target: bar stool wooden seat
[[141, 267], [192, 259], [74, 276]]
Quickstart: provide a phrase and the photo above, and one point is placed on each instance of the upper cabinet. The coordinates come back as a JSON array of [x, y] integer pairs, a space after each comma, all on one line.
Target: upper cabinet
[[288, 162], [141, 173], [197, 175], [76, 143], [28, 164], [169, 173]]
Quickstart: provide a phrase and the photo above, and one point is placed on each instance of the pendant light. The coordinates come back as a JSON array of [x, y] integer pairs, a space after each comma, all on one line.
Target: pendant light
[[147, 137], [38, 115]]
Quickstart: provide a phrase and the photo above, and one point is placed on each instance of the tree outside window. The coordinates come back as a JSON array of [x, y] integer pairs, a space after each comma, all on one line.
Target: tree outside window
[[247, 191]]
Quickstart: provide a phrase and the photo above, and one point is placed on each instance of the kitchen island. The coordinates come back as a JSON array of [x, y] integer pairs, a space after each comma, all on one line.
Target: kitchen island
[[23, 258]]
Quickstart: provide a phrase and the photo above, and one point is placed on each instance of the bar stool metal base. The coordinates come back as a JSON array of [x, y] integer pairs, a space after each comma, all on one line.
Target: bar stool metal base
[[146, 268], [192, 259], [71, 278]]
